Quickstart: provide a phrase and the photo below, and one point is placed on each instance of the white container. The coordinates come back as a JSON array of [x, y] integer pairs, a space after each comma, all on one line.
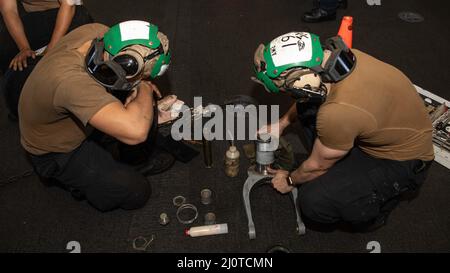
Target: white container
[[207, 230]]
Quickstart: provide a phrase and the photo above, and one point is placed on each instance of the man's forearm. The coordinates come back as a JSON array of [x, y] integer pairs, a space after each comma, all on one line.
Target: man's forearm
[[289, 117], [63, 21], [307, 172], [141, 108]]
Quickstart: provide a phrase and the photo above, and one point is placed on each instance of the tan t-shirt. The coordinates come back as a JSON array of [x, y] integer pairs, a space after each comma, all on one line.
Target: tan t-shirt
[[59, 97], [378, 109], [39, 5]]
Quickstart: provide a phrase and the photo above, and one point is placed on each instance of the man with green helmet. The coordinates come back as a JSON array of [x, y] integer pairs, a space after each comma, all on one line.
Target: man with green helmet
[[367, 130], [69, 94]]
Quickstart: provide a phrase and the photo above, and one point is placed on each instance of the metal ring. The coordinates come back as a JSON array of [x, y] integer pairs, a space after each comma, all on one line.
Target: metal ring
[[179, 200], [186, 207]]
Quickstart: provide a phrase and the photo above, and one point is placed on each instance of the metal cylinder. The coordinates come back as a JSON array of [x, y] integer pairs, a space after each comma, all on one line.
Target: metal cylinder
[[210, 218], [265, 155], [206, 196]]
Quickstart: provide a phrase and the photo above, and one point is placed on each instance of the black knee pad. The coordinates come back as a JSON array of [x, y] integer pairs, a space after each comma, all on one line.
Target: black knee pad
[[361, 211], [307, 202], [315, 206], [139, 191], [122, 188]]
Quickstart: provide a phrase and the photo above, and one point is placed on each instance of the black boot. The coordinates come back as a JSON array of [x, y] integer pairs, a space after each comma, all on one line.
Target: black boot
[[318, 15], [342, 4]]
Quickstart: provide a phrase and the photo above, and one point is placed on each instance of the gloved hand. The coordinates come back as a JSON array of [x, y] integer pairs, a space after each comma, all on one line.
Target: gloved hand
[[165, 105]]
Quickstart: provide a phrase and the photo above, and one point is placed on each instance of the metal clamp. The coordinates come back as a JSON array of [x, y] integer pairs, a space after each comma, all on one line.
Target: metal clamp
[[145, 243]]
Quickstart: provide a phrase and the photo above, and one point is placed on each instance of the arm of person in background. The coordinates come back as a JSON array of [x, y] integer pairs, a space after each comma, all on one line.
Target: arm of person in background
[[319, 162], [8, 9], [63, 21]]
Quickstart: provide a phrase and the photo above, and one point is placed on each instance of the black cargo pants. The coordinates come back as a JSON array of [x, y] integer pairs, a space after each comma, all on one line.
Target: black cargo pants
[[358, 188], [91, 172]]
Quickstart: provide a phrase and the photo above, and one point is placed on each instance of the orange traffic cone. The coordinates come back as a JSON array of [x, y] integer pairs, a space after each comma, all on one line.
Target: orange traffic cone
[[346, 30]]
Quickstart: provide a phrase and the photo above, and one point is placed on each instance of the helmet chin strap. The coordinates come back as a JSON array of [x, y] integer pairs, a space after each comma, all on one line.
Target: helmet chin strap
[[305, 92]]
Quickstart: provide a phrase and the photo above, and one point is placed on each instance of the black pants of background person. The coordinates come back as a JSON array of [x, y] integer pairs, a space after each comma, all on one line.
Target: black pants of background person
[[12, 84], [38, 29], [358, 189], [327, 5]]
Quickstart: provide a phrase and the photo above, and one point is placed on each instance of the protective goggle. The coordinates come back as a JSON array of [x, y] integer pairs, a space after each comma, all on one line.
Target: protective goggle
[[123, 71], [340, 63]]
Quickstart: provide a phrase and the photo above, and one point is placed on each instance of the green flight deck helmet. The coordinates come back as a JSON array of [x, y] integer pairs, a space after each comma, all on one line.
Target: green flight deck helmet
[[137, 50], [291, 51]]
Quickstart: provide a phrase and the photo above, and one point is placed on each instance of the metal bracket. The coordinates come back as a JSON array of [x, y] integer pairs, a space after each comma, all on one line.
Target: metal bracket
[[253, 179]]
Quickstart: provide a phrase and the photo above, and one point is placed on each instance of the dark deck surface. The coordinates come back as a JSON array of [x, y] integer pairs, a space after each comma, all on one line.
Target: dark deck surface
[[212, 43]]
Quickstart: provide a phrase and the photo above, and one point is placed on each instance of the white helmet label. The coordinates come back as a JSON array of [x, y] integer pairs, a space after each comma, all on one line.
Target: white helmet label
[[135, 29], [163, 69], [290, 48]]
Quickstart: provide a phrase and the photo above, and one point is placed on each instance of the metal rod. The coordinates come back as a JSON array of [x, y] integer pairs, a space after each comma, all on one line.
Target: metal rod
[[207, 153]]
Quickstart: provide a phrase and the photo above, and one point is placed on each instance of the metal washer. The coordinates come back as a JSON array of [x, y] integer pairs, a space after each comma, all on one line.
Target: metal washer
[[179, 200]]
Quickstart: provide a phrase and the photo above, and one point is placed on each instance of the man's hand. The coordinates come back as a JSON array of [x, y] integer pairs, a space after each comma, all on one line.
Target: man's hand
[[164, 108], [20, 61], [10, 14], [274, 129], [134, 92], [164, 104], [279, 181], [131, 97], [153, 87]]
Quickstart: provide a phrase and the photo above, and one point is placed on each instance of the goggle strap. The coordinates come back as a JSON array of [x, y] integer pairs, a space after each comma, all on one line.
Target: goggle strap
[[155, 53], [98, 53]]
